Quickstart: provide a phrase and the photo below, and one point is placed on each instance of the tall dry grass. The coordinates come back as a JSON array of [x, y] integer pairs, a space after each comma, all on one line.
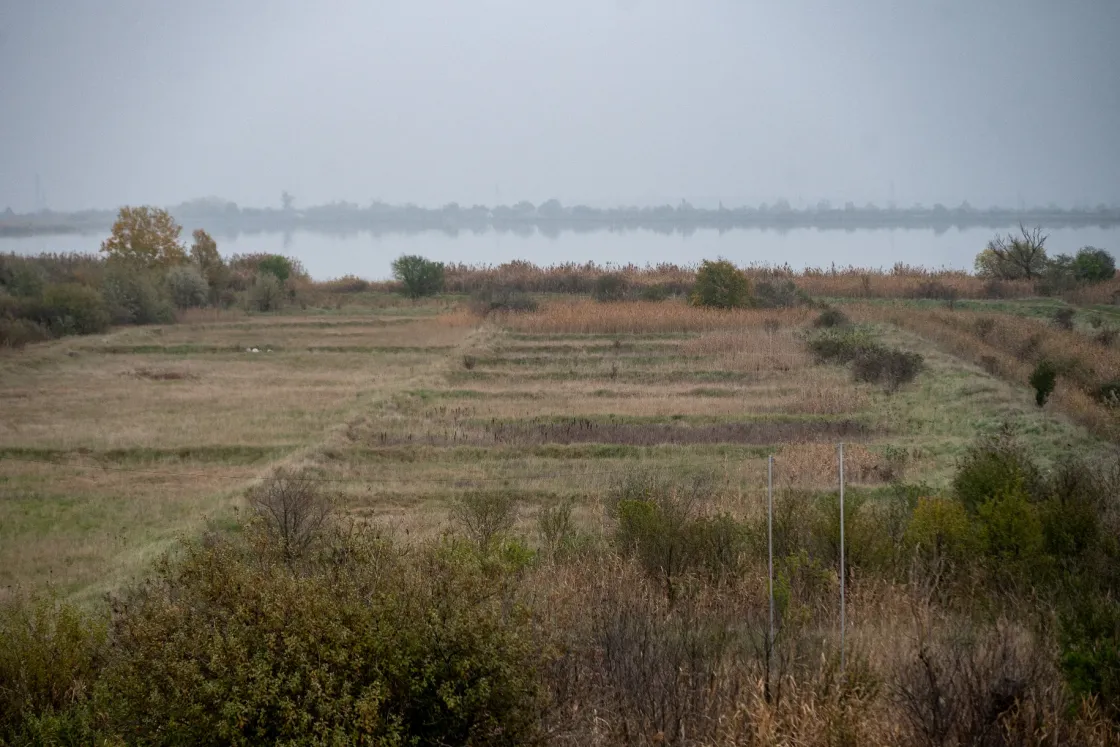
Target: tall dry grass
[[1099, 293], [643, 317], [900, 281]]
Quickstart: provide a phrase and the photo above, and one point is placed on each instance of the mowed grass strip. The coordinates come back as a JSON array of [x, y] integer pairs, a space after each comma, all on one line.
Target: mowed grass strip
[[106, 459]]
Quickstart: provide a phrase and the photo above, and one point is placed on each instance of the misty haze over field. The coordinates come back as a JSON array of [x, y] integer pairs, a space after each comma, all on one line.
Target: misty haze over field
[[602, 101]]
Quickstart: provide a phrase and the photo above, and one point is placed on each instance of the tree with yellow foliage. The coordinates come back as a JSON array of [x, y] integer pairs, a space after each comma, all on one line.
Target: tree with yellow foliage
[[147, 236]]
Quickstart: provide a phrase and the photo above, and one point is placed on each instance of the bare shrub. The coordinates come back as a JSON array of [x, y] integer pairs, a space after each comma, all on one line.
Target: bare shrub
[[485, 517], [976, 687], [984, 326], [294, 508], [555, 527]]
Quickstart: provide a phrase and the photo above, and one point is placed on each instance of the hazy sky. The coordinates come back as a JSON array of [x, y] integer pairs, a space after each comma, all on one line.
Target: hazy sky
[[431, 101]]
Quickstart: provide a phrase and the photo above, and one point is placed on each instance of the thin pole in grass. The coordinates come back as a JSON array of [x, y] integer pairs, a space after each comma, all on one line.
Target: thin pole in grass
[[770, 562], [841, 455]]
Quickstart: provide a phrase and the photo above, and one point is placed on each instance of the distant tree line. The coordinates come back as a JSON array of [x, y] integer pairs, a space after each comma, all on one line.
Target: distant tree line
[[552, 217]]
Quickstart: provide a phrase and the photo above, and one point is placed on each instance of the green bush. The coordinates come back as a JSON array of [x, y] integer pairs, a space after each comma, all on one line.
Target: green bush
[[266, 293], [135, 295], [657, 293], [721, 285], [277, 265], [378, 646], [1077, 496], [941, 528], [1043, 379], [866, 545], [418, 276], [1010, 528], [669, 537], [891, 368], [21, 277], [50, 656], [995, 465], [839, 345], [67, 309], [777, 294], [611, 286], [1092, 265], [1089, 636], [188, 287], [831, 318]]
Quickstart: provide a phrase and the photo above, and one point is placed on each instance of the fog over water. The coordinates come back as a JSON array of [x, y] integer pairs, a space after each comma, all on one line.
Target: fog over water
[[110, 102]]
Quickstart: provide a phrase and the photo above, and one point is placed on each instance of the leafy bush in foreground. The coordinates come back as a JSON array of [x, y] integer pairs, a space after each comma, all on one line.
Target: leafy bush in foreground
[[50, 655], [370, 643]]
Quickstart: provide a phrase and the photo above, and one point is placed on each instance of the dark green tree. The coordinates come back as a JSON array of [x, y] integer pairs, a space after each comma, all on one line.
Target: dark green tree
[[419, 276], [1092, 265], [721, 285]]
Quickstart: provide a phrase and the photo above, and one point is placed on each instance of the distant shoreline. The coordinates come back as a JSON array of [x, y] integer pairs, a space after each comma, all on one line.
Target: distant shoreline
[[527, 220]]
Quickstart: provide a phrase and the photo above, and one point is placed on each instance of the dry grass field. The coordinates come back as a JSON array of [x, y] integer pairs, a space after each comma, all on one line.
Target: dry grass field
[[114, 445], [402, 413]]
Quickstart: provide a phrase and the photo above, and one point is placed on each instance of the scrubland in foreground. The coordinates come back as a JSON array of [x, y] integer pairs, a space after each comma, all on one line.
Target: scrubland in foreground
[[551, 527]]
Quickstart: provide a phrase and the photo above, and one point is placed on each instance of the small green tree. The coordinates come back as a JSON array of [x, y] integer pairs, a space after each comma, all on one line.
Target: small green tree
[[721, 285], [1043, 379], [146, 236], [1092, 265], [277, 265], [419, 276]]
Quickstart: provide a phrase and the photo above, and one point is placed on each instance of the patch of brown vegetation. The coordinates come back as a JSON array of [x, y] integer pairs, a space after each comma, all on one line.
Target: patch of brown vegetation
[[643, 317]]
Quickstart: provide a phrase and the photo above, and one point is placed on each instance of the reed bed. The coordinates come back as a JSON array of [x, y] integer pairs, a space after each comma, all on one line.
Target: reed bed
[[643, 317], [813, 465], [900, 281]]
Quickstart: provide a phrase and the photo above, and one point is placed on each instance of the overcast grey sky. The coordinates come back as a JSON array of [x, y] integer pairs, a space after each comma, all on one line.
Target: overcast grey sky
[[430, 101]]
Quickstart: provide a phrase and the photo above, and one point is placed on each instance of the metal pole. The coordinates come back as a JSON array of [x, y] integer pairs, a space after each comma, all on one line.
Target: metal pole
[[770, 544], [841, 558]]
